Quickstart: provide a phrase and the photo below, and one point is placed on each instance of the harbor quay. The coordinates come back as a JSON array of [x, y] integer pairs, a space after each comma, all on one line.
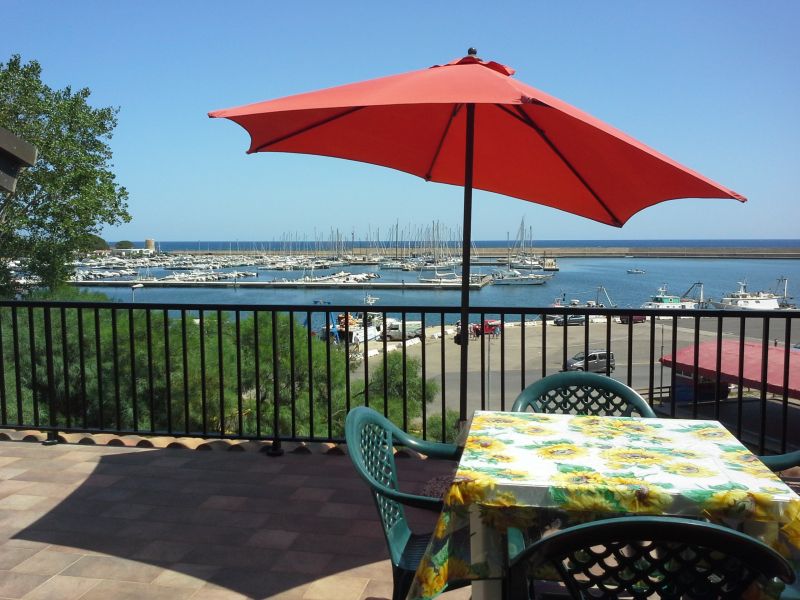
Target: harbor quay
[[411, 284]]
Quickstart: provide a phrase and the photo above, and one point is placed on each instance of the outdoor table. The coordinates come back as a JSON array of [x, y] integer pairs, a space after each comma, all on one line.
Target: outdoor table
[[541, 472]]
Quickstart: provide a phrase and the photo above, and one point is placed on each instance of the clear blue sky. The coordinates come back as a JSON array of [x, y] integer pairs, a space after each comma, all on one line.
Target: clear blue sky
[[712, 84]]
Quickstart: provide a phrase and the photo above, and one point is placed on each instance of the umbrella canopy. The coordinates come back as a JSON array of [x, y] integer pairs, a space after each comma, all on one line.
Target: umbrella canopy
[[527, 144], [470, 123]]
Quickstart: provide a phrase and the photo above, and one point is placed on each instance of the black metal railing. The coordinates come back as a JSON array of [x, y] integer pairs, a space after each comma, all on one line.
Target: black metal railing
[[292, 372]]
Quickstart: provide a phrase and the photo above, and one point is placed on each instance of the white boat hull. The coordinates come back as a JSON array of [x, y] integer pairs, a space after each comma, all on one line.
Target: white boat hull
[[521, 280], [755, 304]]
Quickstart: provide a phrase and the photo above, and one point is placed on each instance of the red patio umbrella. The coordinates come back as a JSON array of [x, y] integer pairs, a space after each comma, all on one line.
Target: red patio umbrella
[[470, 123]]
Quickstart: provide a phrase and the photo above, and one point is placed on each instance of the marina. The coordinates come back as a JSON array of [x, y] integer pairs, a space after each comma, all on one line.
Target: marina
[[323, 278], [381, 275]]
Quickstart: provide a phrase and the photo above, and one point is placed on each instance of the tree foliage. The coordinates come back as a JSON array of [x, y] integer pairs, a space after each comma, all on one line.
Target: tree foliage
[[95, 242], [189, 373], [71, 191], [124, 245]]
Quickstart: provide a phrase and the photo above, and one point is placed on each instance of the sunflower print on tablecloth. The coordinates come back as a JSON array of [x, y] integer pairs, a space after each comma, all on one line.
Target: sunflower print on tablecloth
[[627, 457], [561, 451], [468, 487]]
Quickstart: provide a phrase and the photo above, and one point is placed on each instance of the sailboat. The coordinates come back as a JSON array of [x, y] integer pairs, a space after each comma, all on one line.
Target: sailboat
[[439, 277], [524, 258]]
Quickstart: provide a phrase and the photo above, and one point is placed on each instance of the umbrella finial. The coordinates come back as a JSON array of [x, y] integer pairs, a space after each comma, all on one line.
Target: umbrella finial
[[472, 52]]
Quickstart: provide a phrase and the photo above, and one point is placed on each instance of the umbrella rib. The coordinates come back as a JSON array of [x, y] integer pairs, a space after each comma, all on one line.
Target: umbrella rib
[[528, 120], [283, 138], [453, 114]]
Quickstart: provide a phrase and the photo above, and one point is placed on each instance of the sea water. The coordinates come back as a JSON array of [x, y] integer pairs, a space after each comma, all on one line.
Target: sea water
[[581, 279]]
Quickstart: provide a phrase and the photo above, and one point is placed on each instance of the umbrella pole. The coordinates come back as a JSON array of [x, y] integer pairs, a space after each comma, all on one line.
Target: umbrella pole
[[465, 258]]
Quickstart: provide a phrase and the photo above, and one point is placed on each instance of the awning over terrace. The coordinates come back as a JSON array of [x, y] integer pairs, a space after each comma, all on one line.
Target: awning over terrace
[[752, 365]]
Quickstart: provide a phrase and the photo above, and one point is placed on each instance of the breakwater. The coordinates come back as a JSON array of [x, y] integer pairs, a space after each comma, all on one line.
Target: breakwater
[[670, 252], [366, 254]]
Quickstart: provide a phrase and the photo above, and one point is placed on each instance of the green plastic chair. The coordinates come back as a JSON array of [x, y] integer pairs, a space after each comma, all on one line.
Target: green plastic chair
[[582, 393], [781, 462], [370, 441], [650, 557]]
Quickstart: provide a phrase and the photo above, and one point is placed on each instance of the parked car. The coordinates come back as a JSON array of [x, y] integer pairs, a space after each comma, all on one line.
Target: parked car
[[570, 320], [394, 330], [594, 362], [632, 318]]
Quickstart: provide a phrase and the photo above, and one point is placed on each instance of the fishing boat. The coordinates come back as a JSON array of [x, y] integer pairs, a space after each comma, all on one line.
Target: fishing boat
[[741, 299], [514, 277], [602, 300], [635, 271], [350, 328], [661, 299]]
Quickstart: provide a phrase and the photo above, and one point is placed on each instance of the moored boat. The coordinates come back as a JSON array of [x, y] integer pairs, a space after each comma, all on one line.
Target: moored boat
[[741, 299], [439, 277], [661, 299], [514, 277], [549, 264]]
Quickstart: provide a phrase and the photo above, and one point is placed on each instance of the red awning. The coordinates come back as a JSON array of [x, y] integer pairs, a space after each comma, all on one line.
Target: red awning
[[752, 365]]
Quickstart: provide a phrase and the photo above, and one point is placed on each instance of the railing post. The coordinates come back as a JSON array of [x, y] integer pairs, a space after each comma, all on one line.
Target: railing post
[[275, 449], [52, 434]]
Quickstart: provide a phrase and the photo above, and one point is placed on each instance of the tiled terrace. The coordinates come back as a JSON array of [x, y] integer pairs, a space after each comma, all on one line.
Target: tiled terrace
[[98, 522]]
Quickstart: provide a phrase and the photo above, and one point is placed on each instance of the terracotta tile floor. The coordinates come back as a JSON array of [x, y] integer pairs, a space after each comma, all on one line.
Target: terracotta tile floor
[[100, 522]]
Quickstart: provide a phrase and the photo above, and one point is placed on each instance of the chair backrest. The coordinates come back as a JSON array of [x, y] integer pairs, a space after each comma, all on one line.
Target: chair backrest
[[651, 557], [582, 393], [370, 442]]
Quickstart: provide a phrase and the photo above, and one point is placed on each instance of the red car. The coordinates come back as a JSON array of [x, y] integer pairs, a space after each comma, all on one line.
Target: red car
[[490, 327], [632, 318]]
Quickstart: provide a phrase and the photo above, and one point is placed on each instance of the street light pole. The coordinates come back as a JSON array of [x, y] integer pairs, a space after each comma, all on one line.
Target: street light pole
[[135, 287], [661, 382], [489, 375]]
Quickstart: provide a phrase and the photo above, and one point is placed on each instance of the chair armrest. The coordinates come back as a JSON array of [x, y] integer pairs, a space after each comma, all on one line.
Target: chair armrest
[[431, 449], [781, 462], [423, 502], [435, 449]]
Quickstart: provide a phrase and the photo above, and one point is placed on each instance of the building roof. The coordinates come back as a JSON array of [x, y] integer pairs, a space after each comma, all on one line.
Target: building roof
[[779, 375]]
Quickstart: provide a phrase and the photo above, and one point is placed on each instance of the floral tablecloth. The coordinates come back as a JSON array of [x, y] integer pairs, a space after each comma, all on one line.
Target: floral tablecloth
[[536, 472]]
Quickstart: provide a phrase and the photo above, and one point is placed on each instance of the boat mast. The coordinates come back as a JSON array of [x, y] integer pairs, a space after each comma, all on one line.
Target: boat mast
[[603, 290]]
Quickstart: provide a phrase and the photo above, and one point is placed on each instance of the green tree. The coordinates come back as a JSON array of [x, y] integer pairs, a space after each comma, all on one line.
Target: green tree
[[95, 242], [118, 368], [70, 192], [124, 245]]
